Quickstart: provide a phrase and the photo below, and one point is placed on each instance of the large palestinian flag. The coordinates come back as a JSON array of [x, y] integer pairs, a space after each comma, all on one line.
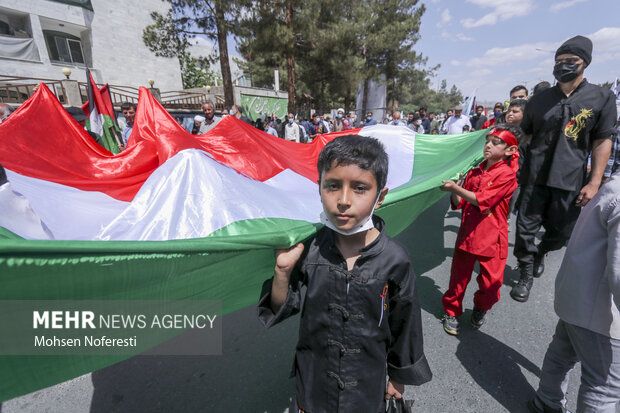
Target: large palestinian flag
[[175, 216]]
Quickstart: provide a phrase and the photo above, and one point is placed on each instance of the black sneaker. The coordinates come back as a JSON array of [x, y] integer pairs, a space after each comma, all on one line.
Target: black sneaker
[[477, 318], [537, 406], [450, 324]]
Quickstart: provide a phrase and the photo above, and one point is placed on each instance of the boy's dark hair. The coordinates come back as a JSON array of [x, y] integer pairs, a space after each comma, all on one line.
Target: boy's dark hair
[[515, 130], [518, 103], [128, 105], [541, 86], [479, 106], [365, 152], [517, 88]]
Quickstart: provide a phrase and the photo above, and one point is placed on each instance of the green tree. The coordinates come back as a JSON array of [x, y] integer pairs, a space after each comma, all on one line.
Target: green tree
[[196, 72], [169, 34], [335, 46], [268, 36]]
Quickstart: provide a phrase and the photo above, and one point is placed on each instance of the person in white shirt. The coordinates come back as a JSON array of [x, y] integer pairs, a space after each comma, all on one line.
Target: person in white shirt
[[208, 109], [456, 123], [396, 120], [292, 131]]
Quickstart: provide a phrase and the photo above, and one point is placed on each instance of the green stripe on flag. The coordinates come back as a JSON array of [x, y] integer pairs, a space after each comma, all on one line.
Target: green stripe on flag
[[108, 135]]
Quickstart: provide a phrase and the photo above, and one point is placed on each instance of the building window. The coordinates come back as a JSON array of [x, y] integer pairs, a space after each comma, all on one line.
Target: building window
[[64, 48], [14, 25]]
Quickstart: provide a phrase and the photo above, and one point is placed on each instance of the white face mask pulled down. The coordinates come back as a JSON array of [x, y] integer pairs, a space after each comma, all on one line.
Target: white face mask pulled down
[[365, 226]]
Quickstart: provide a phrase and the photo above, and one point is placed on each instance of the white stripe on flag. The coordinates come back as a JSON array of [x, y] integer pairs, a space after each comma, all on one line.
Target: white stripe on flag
[[191, 195]]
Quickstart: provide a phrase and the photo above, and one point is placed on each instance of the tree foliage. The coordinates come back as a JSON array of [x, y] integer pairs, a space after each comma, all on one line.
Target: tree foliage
[[196, 72], [170, 35], [323, 49], [337, 45]]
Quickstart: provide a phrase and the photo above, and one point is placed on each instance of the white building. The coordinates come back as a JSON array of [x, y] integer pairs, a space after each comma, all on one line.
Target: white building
[[40, 37]]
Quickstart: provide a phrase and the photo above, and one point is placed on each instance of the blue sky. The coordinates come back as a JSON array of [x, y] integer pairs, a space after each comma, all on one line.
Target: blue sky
[[492, 46]]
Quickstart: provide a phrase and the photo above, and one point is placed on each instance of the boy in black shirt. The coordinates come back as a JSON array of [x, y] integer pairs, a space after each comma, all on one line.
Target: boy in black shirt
[[361, 316]]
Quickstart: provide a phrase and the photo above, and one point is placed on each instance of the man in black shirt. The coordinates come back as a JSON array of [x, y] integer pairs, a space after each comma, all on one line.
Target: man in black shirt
[[478, 119], [566, 123]]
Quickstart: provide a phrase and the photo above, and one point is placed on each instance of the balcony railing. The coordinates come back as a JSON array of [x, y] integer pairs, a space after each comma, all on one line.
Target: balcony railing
[[16, 89]]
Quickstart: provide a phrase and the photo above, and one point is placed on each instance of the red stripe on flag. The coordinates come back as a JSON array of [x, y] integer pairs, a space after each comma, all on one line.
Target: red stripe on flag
[[61, 151]]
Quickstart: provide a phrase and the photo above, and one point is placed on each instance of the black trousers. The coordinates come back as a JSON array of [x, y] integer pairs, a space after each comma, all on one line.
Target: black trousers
[[552, 208]]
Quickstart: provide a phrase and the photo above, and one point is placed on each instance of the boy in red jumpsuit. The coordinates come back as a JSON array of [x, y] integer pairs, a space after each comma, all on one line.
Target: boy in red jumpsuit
[[483, 235]]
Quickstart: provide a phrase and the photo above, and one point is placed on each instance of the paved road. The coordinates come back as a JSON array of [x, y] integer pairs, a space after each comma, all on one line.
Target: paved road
[[492, 370]]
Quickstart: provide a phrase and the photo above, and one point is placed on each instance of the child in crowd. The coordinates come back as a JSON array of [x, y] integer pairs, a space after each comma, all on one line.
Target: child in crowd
[[361, 317], [483, 235], [514, 116]]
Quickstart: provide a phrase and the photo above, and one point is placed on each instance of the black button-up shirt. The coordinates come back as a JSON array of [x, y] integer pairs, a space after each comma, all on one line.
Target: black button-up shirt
[[562, 130], [356, 325]]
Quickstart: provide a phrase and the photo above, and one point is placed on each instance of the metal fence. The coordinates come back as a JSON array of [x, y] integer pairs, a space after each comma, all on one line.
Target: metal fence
[[16, 90]]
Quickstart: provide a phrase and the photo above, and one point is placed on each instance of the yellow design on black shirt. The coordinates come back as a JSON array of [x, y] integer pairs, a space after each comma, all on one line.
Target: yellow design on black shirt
[[577, 123]]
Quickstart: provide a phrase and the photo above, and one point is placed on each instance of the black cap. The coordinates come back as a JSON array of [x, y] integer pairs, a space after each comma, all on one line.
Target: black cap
[[579, 45], [76, 113]]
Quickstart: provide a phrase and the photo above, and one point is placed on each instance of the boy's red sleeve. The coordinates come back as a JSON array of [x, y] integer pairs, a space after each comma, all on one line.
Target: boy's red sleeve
[[465, 185], [496, 189]]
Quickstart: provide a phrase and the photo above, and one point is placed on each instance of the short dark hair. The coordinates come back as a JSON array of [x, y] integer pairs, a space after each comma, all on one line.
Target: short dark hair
[[479, 107], [514, 129], [517, 88], [499, 105], [422, 108], [541, 86], [365, 152], [518, 103], [239, 108], [128, 105]]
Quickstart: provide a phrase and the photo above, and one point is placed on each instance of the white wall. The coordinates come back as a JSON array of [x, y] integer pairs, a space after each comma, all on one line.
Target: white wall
[[113, 32]]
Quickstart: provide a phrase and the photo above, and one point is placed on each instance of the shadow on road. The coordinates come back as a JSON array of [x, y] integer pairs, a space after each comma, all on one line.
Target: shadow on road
[[251, 375], [495, 367]]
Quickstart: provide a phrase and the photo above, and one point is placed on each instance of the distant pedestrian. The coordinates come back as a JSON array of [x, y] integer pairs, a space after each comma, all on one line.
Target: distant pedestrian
[[478, 119], [208, 109], [369, 120], [455, 124], [396, 121]]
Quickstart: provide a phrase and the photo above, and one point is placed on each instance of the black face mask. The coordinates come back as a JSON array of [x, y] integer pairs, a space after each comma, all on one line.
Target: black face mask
[[565, 72]]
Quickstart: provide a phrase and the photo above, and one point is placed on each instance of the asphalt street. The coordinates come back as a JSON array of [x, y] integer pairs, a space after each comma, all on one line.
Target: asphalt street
[[495, 369]]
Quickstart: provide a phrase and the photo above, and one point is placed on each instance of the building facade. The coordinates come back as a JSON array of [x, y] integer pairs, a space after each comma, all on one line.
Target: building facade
[[38, 38]]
